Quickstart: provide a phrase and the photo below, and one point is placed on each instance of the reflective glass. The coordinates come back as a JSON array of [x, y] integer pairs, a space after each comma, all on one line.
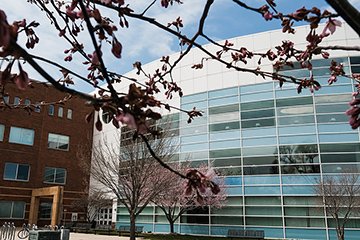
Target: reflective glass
[[258, 200], [302, 201], [304, 222], [258, 151], [197, 105], [341, 157], [263, 221], [23, 172], [259, 132], [263, 211], [261, 180], [235, 143], [256, 87], [2, 128], [225, 153], [298, 190], [193, 130], [340, 80], [227, 220], [224, 117], [258, 114], [335, 127], [224, 109], [309, 128], [224, 135], [299, 158], [194, 98], [294, 101], [231, 171], [257, 105], [335, 89], [21, 136], [340, 147], [225, 162], [263, 190], [18, 210], [194, 155], [350, 137], [263, 160], [194, 147], [282, 93], [256, 96], [10, 171], [223, 92], [194, 138], [223, 101], [300, 179], [5, 209], [300, 169], [227, 211], [336, 98], [265, 122], [259, 141], [233, 190], [355, 60], [332, 108], [303, 211], [224, 126], [297, 139], [313, 234], [261, 170], [340, 168], [296, 120], [233, 181], [332, 118], [57, 141], [295, 110]]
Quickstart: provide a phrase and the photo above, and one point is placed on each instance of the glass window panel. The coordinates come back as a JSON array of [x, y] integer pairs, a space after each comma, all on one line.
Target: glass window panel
[[230, 171], [23, 172], [194, 155], [340, 168], [262, 190], [261, 180], [259, 132], [235, 143], [230, 190], [263, 211], [355, 69], [197, 105], [355, 60], [51, 110], [5, 209], [335, 127], [234, 201], [298, 190], [300, 73], [340, 147], [263, 200], [223, 101], [21, 136], [224, 117], [194, 138], [194, 147], [342, 157], [57, 141], [16, 100], [295, 110], [310, 128], [194, 97], [300, 179], [282, 93], [227, 211], [333, 98], [303, 201], [300, 169], [264, 160], [297, 139], [10, 171], [257, 105], [296, 120], [331, 118], [259, 141], [258, 114], [294, 101], [265, 122], [299, 158], [233, 181], [60, 175], [224, 109], [226, 162], [69, 114], [225, 153], [196, 121], [2, 129], [332, 108], [49, 175], [264, 221], [18, 210], [223, 92], [60, 112], [224, 126], [261, 170], [258, 151], [340, 80], [227, 220], [224, 135], [305, 222], [256, 96], [193, 130], [335, 89], [350, 137], [256, 87], [27, 102]]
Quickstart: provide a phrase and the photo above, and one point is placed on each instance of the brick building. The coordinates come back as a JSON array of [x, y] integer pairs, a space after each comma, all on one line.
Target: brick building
[[40, 173]]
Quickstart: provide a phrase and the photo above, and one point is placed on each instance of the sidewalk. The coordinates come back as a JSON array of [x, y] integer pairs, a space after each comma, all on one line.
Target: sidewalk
[[84, 236]]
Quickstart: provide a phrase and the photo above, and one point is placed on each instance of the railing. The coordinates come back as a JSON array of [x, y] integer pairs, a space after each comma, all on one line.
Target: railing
[[7, 231]]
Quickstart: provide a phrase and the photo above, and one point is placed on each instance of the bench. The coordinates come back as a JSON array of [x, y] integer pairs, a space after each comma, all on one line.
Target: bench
[[237, 233], [103, 228], [126, 229], [80, 227]]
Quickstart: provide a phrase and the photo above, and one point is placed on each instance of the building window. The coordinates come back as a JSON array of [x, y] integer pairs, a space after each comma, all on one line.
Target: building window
[[17, 172], [45, 210], [27, 102], [55, 175], [22, 136], [12, 209], [2, 128], [69, 114], [60, 111], [51, 110], [6, 99], [106, 116], [57, 141], [16, 101], [37, 107]]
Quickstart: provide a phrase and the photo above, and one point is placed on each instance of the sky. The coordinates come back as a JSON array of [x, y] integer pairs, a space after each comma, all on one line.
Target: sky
[[144, 42]]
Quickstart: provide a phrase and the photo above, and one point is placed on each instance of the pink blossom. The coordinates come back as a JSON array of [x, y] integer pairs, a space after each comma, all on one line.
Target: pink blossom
[[4, 30], [331, 26], [116, 47], [22, 80], [126, 118]]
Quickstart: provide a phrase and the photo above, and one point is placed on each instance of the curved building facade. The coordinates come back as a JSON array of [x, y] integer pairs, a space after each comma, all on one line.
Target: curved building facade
[[271, 143]]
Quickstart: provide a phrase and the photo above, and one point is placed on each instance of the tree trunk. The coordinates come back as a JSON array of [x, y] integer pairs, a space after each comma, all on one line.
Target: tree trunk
[[340, 233], [171, 227], [132, 226]]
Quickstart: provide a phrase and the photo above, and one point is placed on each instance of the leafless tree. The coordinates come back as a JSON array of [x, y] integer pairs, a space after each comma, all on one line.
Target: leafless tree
[[341, 197], [130, 172]]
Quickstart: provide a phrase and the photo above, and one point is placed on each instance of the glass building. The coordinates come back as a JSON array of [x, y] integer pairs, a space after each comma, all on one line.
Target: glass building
[[273, 145]]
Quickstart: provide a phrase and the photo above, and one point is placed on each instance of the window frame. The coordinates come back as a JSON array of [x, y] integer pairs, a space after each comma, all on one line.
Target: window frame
[[51, 110], [17, 172], [60, 112], [12, 209], [12, 140], [69, 114], [54, 174], [58, 142]]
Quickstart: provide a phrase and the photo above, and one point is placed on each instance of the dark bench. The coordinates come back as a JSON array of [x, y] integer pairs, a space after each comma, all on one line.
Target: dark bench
[[126, 229], [237, 233], [103, 228], [81, 227]]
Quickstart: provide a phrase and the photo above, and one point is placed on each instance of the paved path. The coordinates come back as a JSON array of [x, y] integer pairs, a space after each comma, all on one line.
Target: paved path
[[84, 236]]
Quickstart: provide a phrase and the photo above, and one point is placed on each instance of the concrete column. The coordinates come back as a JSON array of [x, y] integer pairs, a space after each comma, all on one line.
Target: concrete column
[[34, 209]]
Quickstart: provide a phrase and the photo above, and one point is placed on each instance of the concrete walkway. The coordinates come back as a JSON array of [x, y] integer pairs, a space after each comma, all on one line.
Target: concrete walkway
[[84, 236]]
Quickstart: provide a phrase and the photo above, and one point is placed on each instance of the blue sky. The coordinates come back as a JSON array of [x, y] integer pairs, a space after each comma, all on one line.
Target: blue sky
[[143, 42]]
